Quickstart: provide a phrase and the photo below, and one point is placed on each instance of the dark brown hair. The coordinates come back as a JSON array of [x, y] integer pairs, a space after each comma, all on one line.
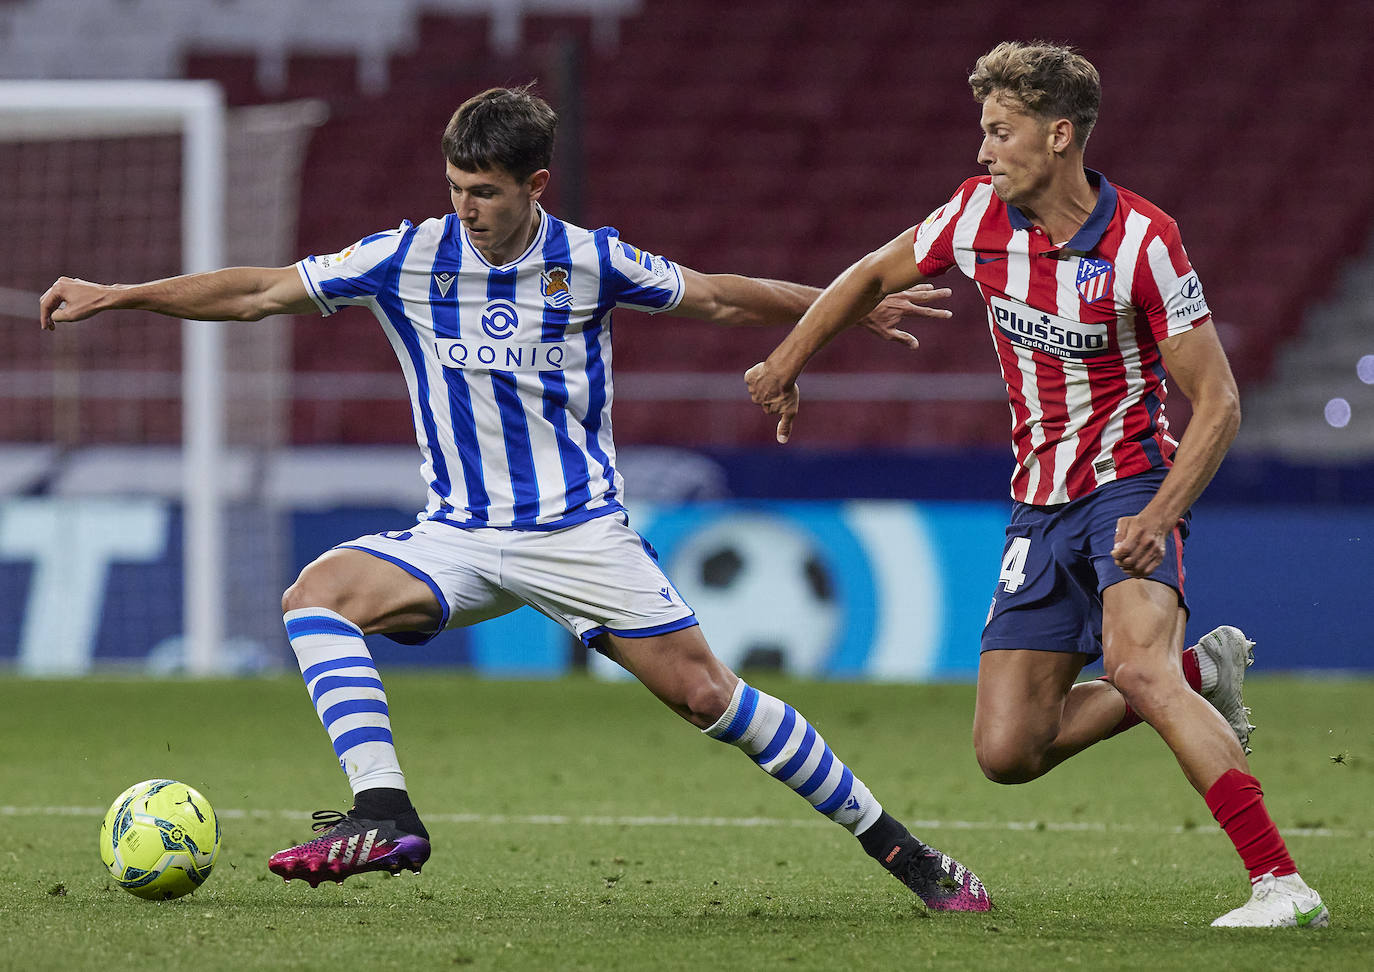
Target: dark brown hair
[[507, 128]]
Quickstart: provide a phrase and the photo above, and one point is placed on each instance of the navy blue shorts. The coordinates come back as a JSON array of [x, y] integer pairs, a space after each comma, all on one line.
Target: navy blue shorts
[[1057, 562]]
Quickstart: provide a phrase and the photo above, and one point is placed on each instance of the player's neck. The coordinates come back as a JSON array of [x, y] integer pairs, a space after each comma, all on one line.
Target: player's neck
[[1064, 205]]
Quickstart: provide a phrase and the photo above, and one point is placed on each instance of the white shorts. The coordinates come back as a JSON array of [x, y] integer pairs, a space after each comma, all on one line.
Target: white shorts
[[597, 576]]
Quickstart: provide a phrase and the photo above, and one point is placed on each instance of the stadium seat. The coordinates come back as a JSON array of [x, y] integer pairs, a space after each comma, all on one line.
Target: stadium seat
[[774, 139]]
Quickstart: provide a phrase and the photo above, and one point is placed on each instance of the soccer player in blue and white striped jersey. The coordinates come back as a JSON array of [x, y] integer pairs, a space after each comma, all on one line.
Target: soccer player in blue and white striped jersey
[[500, 314]]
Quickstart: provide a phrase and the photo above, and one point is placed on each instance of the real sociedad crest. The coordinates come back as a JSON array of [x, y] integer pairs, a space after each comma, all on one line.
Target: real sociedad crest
[[554, 286], [1094, 279]]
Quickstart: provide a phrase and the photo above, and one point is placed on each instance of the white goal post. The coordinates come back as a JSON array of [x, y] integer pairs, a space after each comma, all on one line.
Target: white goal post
[[195, 110]]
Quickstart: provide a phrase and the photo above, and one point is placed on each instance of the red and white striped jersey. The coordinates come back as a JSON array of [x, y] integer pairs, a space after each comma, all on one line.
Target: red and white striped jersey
[[1077, 328]]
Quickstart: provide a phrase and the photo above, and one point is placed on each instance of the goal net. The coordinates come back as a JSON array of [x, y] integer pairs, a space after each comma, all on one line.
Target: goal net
[[134, 528]]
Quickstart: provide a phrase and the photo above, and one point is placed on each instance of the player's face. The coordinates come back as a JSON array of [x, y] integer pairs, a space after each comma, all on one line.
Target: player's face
[[497, 209], [1017, 149]]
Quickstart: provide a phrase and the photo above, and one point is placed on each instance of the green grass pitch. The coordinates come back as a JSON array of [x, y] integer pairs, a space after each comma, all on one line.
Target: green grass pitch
[[579, 825]]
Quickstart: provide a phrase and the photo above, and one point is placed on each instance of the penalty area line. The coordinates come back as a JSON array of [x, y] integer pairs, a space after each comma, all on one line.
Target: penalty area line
[[593, 820]]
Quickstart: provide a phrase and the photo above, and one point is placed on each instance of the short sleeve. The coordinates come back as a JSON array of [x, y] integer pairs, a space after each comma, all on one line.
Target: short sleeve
[[638, 279], [1168, 291], [354, 274], [934, 240]]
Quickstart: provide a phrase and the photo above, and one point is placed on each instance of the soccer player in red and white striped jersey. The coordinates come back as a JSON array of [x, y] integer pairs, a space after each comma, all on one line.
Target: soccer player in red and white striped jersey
[[1092, 303], [1077, 326]]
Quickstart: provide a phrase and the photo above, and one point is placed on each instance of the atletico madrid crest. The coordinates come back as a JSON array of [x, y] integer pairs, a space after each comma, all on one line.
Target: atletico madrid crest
[[1094, 279]]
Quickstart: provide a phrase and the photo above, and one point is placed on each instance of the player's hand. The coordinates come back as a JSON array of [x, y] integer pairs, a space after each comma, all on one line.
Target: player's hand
[[919, 301], [70, 299], [1139, 547], [776, 396]]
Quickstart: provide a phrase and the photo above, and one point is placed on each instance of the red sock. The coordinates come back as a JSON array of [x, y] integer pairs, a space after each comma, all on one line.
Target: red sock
[[1191, 671], [1131, 718], [1238, 804]]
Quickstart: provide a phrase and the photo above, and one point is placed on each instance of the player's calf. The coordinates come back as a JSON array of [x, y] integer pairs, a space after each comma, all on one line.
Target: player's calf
[[1215, 669], [786, 746]]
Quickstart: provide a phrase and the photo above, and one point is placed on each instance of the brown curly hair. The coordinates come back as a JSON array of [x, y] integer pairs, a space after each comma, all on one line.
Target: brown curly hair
[[1047, 80]]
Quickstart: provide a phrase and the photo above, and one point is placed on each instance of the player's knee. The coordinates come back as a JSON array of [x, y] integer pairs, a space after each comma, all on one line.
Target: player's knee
[[308, 592], [1003, 760], [1007, 771], [705, 700], [704, 688], [1142, 685], [702, 685], [295, 597]]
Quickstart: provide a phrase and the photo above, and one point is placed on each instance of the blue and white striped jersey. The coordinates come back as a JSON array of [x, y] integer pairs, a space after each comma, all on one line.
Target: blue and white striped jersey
[[509, 368]]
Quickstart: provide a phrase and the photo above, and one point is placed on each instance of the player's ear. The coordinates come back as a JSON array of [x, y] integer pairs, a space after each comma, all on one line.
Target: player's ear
[[1061, 135], [537, 183]]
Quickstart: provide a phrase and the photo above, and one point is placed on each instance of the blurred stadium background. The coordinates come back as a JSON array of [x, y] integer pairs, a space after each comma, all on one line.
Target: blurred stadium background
[[771, 138]]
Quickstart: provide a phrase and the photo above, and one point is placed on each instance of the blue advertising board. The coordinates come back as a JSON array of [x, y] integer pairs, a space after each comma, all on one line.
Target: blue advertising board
[[838, 589]]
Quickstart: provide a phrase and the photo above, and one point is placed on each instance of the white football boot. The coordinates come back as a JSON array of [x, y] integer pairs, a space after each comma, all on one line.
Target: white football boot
[[1232, 653], [1278, 902]]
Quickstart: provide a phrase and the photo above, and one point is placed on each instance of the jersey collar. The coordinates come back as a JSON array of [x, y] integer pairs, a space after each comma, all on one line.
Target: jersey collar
[[535, 244], [1090, 233]]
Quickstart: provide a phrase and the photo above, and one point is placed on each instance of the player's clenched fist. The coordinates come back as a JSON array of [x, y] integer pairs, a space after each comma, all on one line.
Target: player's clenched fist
[[70, 299], [1138, 549], [768, 390]]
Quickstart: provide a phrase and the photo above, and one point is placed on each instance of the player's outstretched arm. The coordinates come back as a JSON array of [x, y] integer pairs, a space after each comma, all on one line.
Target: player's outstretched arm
[[1198, 367], [732, 299], [232, 294], [854, 296], [727, 298]]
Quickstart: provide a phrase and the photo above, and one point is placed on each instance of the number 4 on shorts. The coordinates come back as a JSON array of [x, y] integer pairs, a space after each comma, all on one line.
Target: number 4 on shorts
[[1014, 564]]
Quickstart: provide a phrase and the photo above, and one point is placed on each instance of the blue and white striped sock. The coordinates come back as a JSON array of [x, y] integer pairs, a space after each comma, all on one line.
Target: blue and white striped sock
[[780, 740], [346, 688]]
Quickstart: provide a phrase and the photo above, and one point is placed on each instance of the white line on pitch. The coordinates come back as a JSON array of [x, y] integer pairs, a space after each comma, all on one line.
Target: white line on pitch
[[568, 820]]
